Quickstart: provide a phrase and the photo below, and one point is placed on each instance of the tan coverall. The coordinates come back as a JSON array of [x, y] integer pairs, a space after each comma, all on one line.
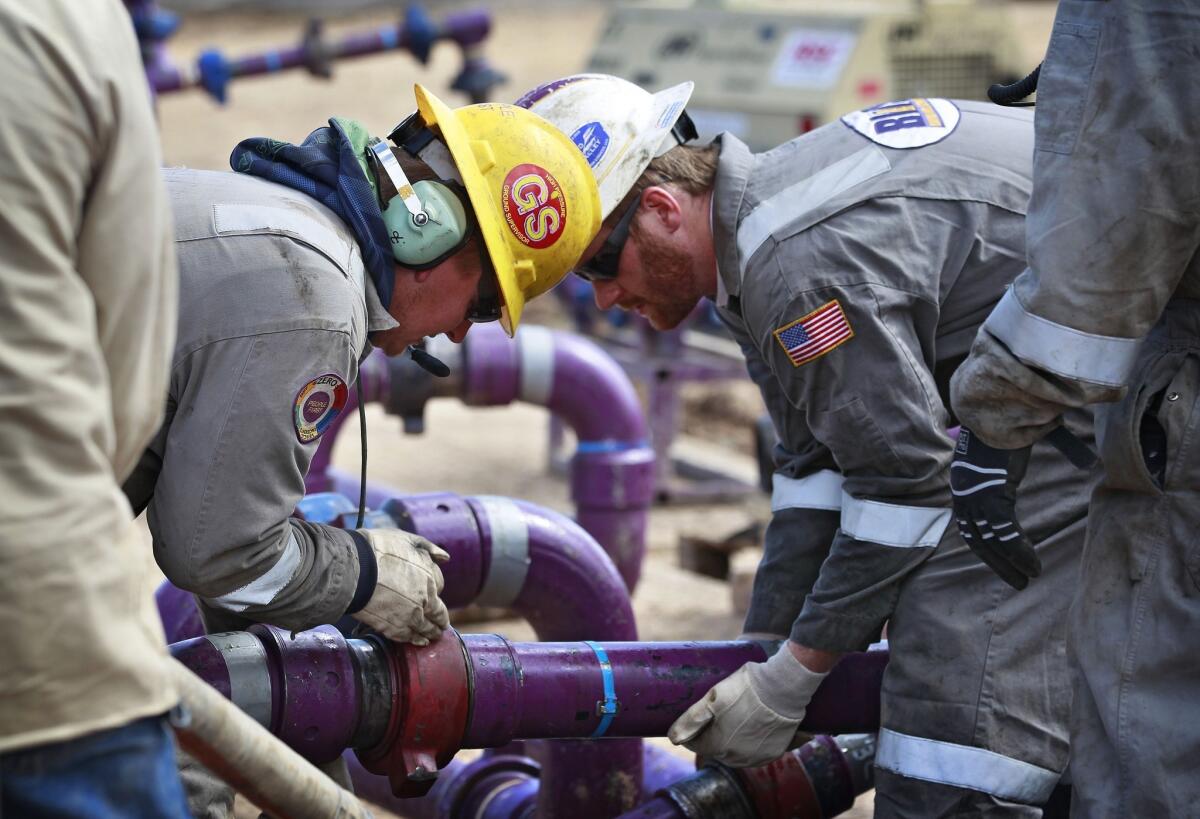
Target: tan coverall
[[87, 320], [1110, 309]]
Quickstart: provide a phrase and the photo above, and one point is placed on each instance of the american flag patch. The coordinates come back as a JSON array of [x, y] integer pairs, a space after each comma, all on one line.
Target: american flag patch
[[816, 334]]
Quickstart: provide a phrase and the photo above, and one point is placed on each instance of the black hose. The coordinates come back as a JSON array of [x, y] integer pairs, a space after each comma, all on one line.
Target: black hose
[[362, 440], [1012, 93]]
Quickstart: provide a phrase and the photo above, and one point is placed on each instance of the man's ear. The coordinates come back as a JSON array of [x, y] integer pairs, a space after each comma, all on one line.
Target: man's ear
[[664, 206]]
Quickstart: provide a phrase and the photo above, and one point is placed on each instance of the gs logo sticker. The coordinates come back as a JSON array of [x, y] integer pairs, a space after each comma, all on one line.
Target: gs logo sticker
[[534, 206], [317, 404]]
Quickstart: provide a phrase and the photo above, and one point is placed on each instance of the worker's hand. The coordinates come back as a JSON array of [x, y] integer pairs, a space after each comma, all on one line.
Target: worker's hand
[[984, 483], [1009, 403], [750, 718], [405, 606]]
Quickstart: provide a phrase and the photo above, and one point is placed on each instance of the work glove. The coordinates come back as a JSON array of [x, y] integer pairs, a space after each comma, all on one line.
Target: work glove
[[750, 717], [405, 606], [983, 481]]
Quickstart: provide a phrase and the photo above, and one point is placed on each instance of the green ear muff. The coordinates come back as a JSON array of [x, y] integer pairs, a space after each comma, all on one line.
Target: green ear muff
[[445, 232]]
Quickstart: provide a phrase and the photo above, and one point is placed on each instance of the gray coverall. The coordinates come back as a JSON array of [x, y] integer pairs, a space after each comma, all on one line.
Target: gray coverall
[[273, 297], [1112, 299], [889, 259]]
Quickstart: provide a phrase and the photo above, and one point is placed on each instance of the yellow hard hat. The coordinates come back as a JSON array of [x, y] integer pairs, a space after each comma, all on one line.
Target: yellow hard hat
[[532, 191]]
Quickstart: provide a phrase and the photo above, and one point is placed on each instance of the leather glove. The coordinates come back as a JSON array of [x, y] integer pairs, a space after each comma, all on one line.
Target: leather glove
[[405, 606], [996, 394], [750, 717], [983, 481]]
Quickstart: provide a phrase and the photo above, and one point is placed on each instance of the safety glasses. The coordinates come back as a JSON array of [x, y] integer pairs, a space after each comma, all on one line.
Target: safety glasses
[[487, 304], [604, 265]]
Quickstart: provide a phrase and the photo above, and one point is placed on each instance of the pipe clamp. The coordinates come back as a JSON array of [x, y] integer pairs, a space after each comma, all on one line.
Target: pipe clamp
[[608, 707]]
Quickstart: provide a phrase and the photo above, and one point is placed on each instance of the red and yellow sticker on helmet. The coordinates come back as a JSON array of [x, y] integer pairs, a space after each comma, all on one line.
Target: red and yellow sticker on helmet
[[534, 206], [317, 404]]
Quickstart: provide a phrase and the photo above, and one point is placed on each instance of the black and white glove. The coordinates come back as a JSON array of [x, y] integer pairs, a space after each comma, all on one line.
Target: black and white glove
[[984, 483]]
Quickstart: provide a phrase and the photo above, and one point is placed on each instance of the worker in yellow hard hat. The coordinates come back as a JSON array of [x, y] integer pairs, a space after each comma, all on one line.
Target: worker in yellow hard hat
[[290, 270]]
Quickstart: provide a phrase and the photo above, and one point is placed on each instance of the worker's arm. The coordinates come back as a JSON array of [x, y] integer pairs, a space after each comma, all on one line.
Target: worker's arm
[[233, 470], [805, 505], [872, 401], [1111, 225]]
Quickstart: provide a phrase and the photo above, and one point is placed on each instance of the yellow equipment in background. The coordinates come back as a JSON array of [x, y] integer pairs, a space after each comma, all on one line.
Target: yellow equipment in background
[[767, 70]]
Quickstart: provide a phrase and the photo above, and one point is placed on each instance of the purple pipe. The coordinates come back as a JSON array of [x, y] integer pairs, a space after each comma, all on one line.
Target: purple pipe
[[466, 28], [178, 611], [526, 691], [553, 574], [496, 786], [612, 471], [554, 690], [304, 688], [512, 553]]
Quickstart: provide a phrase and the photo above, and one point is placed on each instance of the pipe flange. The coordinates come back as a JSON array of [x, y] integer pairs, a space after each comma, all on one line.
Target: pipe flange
[[712, 791], [781, 789], [315, 709], [826, 767], [430, 714], [452, 800]]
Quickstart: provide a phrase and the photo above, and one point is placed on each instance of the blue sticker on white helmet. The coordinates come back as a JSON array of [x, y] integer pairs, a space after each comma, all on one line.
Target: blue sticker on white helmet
[[592, 140]]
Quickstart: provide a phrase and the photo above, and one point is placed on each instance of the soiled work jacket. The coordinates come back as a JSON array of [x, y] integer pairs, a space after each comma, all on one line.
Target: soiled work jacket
[[274, 315], [854, 273]]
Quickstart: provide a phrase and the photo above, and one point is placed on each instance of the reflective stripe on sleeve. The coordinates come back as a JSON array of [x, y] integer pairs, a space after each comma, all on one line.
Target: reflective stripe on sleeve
[[820, 490], [964, 766], [891, 525], [793, 201], [1064, 351], [263, 590]]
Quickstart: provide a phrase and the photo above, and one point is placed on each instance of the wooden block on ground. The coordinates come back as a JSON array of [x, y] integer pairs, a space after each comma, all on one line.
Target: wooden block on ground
[[742, 568]]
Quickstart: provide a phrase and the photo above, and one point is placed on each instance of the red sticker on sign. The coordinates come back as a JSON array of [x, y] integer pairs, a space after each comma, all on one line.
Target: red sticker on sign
[[534, 206]]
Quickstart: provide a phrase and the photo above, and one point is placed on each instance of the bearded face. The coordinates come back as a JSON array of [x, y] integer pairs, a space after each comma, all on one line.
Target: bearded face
[[661, 287]]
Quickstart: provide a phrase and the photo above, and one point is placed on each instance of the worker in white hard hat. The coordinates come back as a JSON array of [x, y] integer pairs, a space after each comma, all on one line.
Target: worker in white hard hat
[[853, 266], [291, 269]]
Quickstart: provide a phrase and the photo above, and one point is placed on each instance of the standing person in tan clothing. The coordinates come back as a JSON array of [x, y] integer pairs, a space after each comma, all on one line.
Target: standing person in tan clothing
[[87, 320]]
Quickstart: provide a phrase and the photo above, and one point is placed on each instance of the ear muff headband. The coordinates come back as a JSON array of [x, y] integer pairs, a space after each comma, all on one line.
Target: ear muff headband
[[427, 221], [447, 226]]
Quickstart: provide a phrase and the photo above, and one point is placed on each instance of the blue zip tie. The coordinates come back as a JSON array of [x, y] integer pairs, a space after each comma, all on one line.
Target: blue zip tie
[[608, 707], [588, 447], [389, 37], [273, 60]]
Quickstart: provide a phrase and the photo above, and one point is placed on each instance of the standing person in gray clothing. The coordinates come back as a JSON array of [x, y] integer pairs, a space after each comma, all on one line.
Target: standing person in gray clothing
[[1109, 312], [854, 265]]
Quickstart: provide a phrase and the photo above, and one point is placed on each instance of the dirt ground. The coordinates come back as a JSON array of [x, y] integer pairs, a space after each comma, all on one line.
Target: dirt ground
[[491, 451]]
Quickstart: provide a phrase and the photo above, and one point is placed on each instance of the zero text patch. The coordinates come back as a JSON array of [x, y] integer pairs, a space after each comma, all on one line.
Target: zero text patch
[[814, 335], [317, 404], [911, 123]]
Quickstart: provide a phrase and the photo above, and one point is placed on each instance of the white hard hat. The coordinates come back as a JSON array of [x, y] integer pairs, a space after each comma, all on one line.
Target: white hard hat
[[618, 126]]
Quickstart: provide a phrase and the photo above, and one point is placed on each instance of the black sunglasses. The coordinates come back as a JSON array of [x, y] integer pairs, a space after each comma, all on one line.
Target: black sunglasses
[[487, 304], [603, 266]]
